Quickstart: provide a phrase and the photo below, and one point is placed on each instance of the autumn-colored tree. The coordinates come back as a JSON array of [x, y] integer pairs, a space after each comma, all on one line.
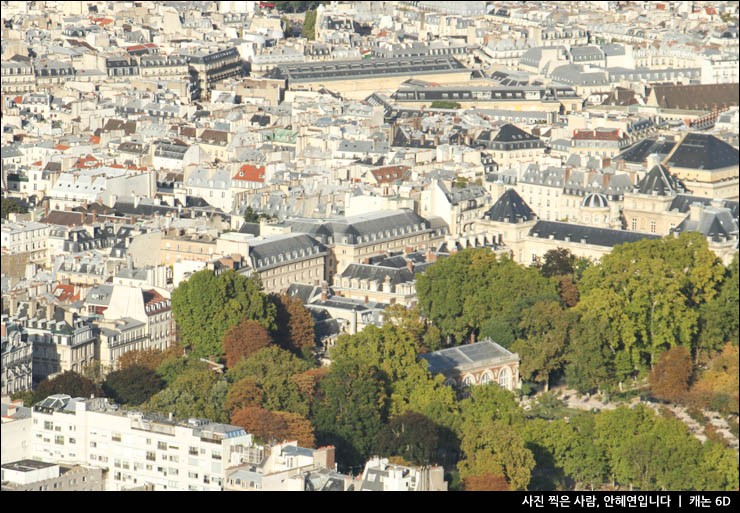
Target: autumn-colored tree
[[149, 358], [486, 483], [717, 387], [295, 325], [671, 376], [273, 368], [263, 424], [243, 393], [69, 383], [568, 291], [244, 339], [498, 449], [297, 428], [206, 305], [308, 382], [270, 426]]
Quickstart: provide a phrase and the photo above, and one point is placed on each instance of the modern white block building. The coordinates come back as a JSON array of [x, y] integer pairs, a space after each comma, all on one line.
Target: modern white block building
[[135, 449]]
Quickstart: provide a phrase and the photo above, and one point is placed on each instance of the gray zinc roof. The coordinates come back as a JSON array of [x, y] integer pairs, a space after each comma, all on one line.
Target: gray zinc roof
[[467, 355]]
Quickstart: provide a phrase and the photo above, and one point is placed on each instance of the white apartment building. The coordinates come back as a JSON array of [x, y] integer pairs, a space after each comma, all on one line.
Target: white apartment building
[[135, 449], [721, 69], [26, 237]]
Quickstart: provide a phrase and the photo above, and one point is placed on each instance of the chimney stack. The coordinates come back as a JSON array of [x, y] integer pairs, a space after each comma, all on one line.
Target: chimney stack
[[324, 457]]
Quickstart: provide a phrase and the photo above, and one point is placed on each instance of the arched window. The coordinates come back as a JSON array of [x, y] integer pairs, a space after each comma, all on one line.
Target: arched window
[[486, 378], [468, 381], [504, 378]]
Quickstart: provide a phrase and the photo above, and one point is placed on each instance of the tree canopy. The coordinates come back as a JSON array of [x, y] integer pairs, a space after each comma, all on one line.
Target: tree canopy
[[244, 339], [295, 327], [69, 383], [273, 369], [648, 294], [205, 306], [195, 393], [476, 293], [11, 206], [132, 385]]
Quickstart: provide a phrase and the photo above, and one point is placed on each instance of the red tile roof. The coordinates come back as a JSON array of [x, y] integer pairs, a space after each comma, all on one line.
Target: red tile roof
[[598, 135], [249, 173], [390, 174], [86, 162], [61, 147], [66, 293]]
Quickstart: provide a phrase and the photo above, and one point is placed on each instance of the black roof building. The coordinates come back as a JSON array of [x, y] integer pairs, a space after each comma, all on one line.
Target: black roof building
[[659, 182], [718, 224], [682, 203], [361, 229], [703, 151], [511, 137], [280, 249], [510, 208], [346, 70], [568, 232], [638, 152]]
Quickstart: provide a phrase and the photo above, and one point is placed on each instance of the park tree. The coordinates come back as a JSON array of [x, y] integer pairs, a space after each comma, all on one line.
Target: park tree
[[496, 448], [475, 293], [308, 382], [558, 262], [68, 383], [198, 393], [717, 386], [590, 355], [718, 467], [243, 393], [545, 328], [132, 385], [244, 339], [612, 428], [171, 368], [268, 426], [486, 483], [488, 403], [653, 289], [309, 25], [426, 335], [568, 291], [298, 428], [663, 455], [205, 306], [430, 396], [671, 375], [273, 369], [350, 410], [718, 316], [295, 327], [571, 447], [414, 437], [149, 358]]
